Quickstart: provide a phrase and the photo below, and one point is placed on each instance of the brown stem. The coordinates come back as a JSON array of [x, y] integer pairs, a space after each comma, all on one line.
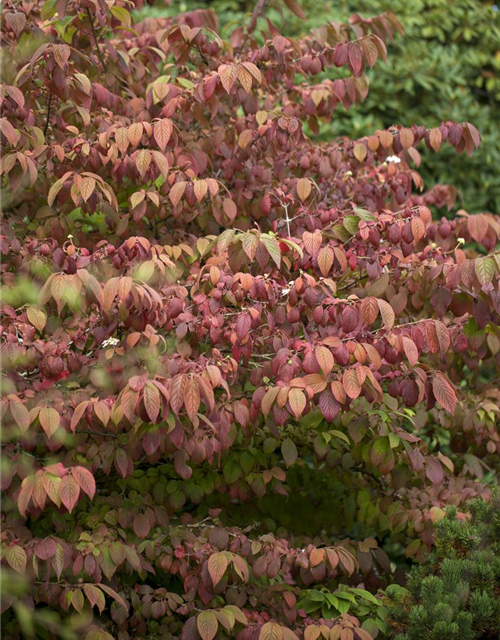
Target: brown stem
[[99, 53], [49, 104]]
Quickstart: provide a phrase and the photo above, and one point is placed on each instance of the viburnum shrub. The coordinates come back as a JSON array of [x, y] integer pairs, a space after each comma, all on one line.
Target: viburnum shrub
[[243, 372]]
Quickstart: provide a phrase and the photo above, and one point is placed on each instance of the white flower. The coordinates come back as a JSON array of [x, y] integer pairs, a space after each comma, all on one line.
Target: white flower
[[394, 159], [110, 342]]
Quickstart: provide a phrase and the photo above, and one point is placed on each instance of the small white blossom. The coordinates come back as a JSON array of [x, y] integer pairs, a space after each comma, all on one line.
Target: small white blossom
[[394, 159], [110, 342]]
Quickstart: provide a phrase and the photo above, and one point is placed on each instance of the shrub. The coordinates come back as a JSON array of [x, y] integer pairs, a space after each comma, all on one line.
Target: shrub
[[454, 594], [446, 66], [244, 371]]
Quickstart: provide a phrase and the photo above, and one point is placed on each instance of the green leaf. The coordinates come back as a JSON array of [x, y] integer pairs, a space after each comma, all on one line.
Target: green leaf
[[272, 247]]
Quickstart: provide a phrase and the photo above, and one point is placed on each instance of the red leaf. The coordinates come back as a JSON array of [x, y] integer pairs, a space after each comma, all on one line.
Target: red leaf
[[434, 470], [141, 526]]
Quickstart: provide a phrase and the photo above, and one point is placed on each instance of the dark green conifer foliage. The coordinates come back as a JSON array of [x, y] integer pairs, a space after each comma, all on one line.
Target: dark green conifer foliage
[[455, 595]]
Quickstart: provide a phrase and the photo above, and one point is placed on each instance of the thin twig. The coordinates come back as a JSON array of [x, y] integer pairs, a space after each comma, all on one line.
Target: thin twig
[[47, 121], [99, 53]]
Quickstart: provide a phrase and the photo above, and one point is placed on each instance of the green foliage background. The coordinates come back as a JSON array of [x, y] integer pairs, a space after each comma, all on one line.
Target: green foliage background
[[447, 67]]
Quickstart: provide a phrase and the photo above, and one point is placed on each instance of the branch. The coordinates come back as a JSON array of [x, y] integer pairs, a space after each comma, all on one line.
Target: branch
[[99, 53], [47, 121]]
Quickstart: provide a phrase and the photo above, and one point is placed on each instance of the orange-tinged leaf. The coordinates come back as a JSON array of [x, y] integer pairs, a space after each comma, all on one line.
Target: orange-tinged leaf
[[406, 137], [268, 399], [387, 313], [142, 161], [351, 383], [325, 358], [192, 397], [228, 74], [360, 151], [477, 226], [435, 139], [102, 412], [152, 401], [161, 162], [338, 392], [134, 133], [162, 132], [325, 260], [200, 189], [271, 631], [417, 228], [245, 78], [312, 241], [217, 565], [317, 556], [37, 317], [250, 242], [374, 355], [176, 192], [297, 401], [369, 310], [304, 188], [411, 351], [55, 188], [245, 138], [87, 188], [315, 381], [444, 392], [69, 490], [20, 414], [50, 420], [312, 632], [85, 480], [78, 414], [122, 139], [23, 500], [386, 138]]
